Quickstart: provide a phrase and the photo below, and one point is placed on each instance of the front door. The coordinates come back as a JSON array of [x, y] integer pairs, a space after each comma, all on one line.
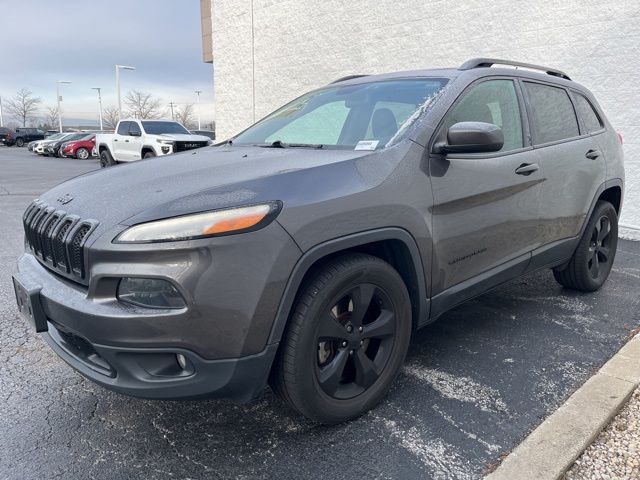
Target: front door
[[486, 205]]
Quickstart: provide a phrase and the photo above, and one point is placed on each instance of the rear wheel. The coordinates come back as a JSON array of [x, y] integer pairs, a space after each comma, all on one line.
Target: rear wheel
[[82, 154], [106, 160], [20, 142], [346, 340], [591, 263]]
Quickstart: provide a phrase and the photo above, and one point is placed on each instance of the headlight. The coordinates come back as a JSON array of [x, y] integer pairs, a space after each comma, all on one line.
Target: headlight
[[150, 293], [200, 225], [164, 141]]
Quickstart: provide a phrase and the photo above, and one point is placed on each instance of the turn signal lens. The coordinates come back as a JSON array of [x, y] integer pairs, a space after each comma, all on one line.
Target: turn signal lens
[[199, 225]]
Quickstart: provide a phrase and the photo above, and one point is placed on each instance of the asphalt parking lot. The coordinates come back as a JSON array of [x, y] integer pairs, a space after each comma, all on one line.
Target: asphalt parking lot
[[475, 383]]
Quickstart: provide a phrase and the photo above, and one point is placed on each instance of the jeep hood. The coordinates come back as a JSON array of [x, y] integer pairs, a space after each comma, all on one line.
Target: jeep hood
[[199, 180]]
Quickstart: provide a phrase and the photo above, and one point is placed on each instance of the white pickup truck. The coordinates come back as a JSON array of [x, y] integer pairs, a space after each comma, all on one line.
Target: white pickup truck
[[136, 139]]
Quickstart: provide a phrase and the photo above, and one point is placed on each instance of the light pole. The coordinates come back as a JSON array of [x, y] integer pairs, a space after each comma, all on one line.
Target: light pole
[[99, 104], [118, 67], [1, 117], [198, 92], [58, 83]]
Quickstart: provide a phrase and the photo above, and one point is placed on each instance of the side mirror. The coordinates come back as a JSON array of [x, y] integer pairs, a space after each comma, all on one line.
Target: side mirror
[[472, 137], [135, 134]]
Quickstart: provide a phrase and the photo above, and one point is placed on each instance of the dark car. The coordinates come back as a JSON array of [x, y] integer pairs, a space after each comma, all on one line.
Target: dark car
[[24, 135], [7, 136], [207, 133], [53, 148], [306, 250]]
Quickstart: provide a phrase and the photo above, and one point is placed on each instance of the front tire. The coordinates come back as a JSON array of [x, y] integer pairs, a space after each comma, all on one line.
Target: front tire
[[82, 154], [346, 340], [591, 263], [149, 154]]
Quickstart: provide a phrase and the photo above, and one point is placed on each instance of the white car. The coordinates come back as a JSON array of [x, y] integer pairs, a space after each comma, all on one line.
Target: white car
[[40, 146], [136, 139]]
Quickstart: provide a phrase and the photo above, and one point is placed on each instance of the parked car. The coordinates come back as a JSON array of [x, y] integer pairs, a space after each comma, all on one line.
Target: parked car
[[207, 133], [81, 148], [52, 147], [41, 148], [48, 133], [6, 136], [25, 135], [136, 139], [307, 249]]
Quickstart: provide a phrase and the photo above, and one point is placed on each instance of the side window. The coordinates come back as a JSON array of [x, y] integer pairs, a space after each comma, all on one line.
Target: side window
[[304, 129], [134, 128], [553, 115], [493, 101], [587, 114], [123, 128]]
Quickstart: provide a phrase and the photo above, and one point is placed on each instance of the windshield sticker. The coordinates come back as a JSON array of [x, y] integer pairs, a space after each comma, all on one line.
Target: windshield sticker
[[367, 145]]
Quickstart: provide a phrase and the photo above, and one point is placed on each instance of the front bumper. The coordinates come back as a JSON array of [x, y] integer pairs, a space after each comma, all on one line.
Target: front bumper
[[232, 286], [154, 373]]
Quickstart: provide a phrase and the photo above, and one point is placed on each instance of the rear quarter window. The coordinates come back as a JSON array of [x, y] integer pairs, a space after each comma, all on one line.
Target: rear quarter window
[[587, 114], [552, 113]]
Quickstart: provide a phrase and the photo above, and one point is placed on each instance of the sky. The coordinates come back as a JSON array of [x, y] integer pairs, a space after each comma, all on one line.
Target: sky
[[43, 41]]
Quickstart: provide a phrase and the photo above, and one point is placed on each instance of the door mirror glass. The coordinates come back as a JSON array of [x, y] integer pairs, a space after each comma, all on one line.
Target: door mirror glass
[[473, 137]]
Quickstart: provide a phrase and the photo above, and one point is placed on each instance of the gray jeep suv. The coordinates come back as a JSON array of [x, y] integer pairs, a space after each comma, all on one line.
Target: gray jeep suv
[[305, 251]]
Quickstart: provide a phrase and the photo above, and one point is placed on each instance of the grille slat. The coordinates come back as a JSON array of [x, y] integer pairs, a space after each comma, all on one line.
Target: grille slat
[[57, 239]]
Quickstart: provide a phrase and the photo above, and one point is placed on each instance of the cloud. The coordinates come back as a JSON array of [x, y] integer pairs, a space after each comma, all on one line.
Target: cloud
[[81, 41]]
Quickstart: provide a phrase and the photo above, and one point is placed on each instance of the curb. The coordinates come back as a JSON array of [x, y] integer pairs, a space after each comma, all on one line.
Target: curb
[[550, 450]]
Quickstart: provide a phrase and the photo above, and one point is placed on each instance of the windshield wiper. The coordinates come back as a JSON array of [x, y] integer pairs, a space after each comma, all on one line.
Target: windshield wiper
[[281, 144]]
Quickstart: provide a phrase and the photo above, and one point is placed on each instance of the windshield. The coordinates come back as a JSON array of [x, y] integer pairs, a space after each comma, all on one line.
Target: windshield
[[364, 116], [158, 128], [57, 136]]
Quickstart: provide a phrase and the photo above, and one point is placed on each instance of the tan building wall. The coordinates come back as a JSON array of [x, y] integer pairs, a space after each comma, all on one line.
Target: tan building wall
[[267, 52]]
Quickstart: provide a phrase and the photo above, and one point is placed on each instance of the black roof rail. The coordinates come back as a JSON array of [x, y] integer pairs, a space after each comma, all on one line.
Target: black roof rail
[[348, 77], [488, 62]]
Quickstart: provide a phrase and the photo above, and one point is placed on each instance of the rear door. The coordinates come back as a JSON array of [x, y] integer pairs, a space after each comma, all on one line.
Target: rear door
[[120, 140], [485, 214], [571, 159], [134, 145]]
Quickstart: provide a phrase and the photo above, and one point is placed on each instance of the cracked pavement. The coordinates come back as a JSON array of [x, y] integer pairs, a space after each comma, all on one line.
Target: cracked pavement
[[475, 383]]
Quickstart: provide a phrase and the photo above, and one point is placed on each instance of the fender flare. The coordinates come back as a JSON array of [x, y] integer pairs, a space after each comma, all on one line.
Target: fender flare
[[329, 247], [607, 184], [147, 147]]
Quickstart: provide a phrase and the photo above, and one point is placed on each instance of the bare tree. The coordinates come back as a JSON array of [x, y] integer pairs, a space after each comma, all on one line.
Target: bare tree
[[51, 118], [110, 116], [143, 105], [23, 106], [184, 115]]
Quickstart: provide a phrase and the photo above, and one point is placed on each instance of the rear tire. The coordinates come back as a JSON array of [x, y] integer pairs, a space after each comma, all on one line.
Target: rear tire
[[20, 142], [346, 340], [591, 263], [106, 160]]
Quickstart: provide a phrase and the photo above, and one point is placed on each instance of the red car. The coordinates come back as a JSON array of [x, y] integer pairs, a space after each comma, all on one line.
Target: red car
[[81, 148]]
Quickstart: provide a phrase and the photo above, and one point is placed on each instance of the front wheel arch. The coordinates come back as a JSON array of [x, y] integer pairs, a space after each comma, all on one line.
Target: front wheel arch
[[394, 245]]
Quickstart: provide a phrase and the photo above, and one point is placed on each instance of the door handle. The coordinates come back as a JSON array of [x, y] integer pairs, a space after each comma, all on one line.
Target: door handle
[[115, 139], [592, 154], [126, 141], [527, 168]]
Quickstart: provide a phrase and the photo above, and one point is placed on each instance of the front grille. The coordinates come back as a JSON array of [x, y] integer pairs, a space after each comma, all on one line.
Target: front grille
[[57, 239], [184, 146]]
